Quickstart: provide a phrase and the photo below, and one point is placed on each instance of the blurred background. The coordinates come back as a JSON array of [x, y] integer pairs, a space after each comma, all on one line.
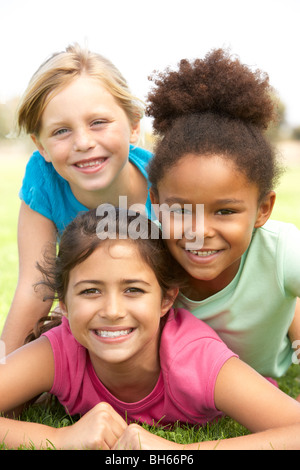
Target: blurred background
[[139, 36]]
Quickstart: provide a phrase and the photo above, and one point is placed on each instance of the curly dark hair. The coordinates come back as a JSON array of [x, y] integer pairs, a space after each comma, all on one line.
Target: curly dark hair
[[214, 106]]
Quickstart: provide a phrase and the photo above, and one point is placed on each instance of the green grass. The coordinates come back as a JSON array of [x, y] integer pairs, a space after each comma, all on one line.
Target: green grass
[[12, 170], [287, 205], [10, 182]]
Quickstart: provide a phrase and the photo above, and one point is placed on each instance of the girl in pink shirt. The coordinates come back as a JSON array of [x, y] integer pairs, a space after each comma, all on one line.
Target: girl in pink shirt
[[122, 355]]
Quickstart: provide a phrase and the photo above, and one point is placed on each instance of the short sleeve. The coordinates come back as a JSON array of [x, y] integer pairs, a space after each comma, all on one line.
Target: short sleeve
[[291, 260], [203, 360], [192, 355], [47, 193], [70, 364], [34, 187]]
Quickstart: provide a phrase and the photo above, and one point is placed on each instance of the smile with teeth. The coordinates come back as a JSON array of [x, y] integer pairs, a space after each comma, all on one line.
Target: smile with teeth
[[113, 334], [90, 163], [203, 253]]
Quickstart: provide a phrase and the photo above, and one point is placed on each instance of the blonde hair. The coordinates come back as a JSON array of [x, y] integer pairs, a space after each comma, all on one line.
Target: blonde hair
[[58, 71]]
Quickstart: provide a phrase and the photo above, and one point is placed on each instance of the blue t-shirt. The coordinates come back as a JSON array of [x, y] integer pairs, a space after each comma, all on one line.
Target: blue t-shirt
[[46, 192]]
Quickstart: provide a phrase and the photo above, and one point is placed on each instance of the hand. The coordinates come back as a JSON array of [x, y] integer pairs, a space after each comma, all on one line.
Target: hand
[[135, 437], [100, 428]]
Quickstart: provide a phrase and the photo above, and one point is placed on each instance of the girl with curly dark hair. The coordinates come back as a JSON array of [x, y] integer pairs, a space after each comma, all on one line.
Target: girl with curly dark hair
[[210, 116]]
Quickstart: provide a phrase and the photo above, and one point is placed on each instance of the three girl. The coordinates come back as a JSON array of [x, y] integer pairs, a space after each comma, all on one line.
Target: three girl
[[244, 274], [122, 354], [83, 119]]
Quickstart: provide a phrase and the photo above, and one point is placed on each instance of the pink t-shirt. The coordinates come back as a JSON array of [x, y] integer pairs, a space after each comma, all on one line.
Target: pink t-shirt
[[191, 356]]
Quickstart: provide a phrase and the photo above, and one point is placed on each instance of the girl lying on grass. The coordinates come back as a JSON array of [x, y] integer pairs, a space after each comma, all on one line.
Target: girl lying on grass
[[122, 355]]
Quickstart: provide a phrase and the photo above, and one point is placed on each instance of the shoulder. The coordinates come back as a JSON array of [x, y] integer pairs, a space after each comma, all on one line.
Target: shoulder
[[37, 165], [192, 354], [62, 335], [69, 355], [276, 246], [185, 327], [47, 193], [140, 157], [276, 238], [274, 229], [188, 341], [184, 336], [38, 178]]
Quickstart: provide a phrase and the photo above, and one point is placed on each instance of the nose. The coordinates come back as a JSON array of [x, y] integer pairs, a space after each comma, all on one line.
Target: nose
[[112, 308], [208, 229], [200, 225], [194, 227], [83, 140]]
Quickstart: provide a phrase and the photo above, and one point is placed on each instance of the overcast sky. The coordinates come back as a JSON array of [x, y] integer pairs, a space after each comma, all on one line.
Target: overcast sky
[[142, 35]]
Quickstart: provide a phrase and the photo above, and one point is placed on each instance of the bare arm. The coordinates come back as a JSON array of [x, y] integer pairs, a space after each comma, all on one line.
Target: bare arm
[[34, 233], [284, 438], [294, 331], [244, 395], [28, 372]]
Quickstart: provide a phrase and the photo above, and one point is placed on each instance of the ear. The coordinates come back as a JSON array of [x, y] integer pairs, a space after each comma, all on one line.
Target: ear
[[265, 209], [135, 132], [168, 300], [40, 147], [63, 308]]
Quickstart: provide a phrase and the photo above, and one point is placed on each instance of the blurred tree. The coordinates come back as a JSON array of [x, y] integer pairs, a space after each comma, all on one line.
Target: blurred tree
[[296, 133], [275, 130], [7, 117]]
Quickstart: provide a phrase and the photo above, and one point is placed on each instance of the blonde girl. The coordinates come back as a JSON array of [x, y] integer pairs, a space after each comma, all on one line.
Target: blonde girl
[[84, 120]]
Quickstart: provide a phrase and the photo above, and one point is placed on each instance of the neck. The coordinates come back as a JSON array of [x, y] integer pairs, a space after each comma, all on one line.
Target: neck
[[132, 380], [198, 289], [132, 386]]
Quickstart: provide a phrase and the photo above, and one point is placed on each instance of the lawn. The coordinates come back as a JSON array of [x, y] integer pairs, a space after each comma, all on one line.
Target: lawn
[[12, 170]]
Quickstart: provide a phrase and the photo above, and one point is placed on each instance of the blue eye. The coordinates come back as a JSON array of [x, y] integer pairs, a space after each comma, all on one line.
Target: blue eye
[[99, 122], [60, 131]]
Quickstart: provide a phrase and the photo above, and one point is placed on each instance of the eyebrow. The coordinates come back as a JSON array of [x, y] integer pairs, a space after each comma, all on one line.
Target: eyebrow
[[87, 281], [123, 281], [229, 201], [173, 200]]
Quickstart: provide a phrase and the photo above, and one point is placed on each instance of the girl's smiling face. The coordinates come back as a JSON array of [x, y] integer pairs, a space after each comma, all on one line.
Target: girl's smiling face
[[231, 212], [85, 134], [114, 305]]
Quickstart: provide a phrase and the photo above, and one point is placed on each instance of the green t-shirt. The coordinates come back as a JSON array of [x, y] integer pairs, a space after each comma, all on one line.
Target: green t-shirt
[[254, 312]]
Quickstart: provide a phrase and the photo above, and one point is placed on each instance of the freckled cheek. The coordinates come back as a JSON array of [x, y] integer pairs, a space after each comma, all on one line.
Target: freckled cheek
[[57, 154]]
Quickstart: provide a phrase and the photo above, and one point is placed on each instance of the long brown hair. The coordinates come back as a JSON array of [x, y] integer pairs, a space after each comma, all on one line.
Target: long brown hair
[[88, 231]]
